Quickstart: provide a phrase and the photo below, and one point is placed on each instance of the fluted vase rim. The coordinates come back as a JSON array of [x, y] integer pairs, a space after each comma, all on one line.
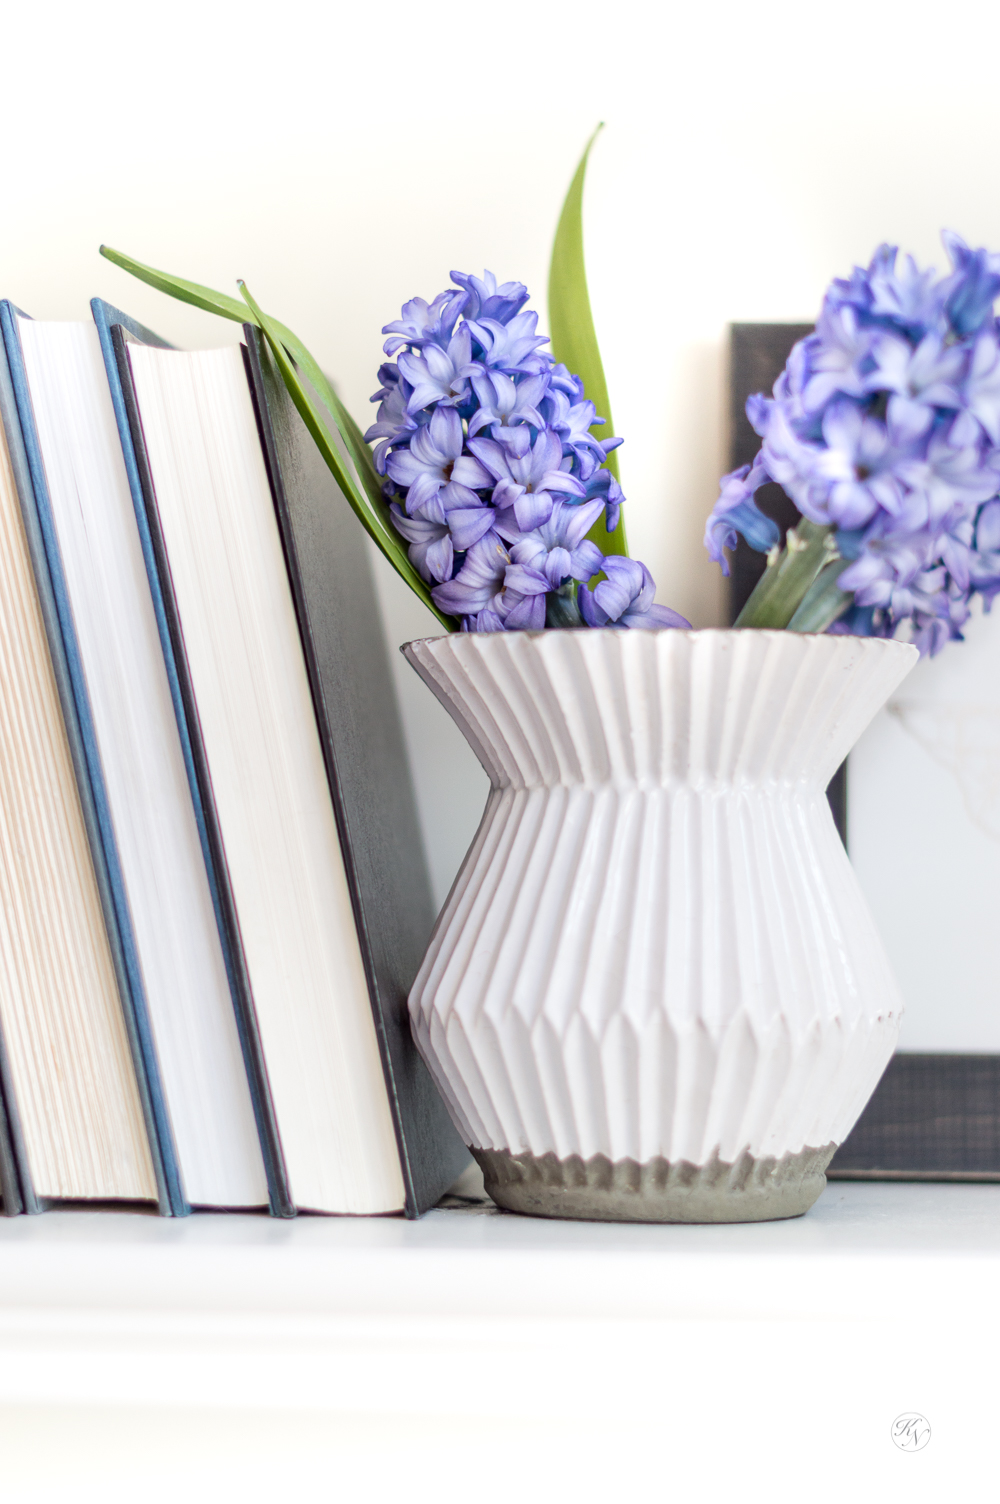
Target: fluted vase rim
[[836, 640]]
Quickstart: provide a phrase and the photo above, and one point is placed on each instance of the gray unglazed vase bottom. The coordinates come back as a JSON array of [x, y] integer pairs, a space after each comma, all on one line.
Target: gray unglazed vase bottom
[[599, 1190]]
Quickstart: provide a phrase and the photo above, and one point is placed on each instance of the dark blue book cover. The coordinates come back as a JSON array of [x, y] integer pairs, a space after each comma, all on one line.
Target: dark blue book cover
[[114, 330], [65, 653]]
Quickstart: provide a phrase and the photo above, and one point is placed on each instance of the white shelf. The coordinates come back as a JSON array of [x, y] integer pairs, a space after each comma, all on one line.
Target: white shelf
[[605, 1351]]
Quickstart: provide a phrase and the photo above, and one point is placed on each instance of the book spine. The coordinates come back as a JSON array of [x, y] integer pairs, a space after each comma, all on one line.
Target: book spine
[[15, 1173], [10, 1181], [65, 652], [279, 1194]]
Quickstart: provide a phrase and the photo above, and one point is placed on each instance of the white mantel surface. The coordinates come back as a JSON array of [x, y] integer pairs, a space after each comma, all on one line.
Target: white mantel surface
[[482, 1356]]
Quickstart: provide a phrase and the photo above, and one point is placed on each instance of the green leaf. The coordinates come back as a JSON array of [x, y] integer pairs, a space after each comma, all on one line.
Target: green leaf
[[176, 287], [370, 505], [233, 308], [571, 324], [377, 526]]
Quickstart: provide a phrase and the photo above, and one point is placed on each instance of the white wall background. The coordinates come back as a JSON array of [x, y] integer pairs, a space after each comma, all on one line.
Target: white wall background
[[343, 157]]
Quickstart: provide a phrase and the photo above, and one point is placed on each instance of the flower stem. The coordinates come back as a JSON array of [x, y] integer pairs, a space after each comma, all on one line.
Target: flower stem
[[561, 609], [789, 576], [823, 602]]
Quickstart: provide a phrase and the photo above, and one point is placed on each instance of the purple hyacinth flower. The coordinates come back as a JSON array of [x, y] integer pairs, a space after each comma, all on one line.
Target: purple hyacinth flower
[[924, 377], [985, 561], [425, 323], [439, 375], [625, 598], [510, 347], [559, 549], [561, 379], [603, 485], [573, 422], [395, 423], [953, 470], [973, 287], [955, 549], [885, 567], [736, 512], [488, 301], [468, 524], [431, 551], [836, 355], [504, 403], [981, 388], [486, 620], [521, 602], [434, 472], [479, 580], [528, 476], [902, 293], [489, 582], [855, 291], [853, 473]]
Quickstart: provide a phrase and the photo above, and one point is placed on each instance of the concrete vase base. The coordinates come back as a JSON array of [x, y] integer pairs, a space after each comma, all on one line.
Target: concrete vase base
[[597, 1190]]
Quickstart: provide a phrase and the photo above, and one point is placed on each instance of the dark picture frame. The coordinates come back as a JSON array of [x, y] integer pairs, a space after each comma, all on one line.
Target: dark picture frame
[[932, 1116]]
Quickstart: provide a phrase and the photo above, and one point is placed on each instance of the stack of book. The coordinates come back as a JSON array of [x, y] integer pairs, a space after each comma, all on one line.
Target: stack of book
[[212, 890]]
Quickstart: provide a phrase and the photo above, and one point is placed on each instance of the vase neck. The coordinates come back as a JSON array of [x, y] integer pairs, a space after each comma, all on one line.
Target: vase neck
[[710, 709]]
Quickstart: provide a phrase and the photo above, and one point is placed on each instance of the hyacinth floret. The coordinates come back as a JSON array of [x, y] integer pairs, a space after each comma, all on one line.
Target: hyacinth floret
[[884, 428], [492, 470], [626, 598]]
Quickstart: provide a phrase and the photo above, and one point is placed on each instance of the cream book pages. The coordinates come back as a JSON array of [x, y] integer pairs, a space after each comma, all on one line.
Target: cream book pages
[[170, 906], [74, 1087], [269, 783], [924, 837]]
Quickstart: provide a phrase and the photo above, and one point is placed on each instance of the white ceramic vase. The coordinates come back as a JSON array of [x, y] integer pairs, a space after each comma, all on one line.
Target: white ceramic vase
[[655, 992]]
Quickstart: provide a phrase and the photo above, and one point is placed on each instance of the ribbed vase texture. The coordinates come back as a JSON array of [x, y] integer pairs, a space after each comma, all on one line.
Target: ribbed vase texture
[[656, 952]]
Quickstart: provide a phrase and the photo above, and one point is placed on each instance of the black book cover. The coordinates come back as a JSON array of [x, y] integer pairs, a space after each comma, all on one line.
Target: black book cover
[[757, 355], [365, 755], [10, 1190]]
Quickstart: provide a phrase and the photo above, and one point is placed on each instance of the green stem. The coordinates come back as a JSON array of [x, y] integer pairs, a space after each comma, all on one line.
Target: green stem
[[823, 602], [561, 609], [786, 581]]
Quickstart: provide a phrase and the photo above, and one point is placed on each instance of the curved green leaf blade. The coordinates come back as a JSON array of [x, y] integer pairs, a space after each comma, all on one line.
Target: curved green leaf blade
[[571, 324], [176, 287], [211, 301], [369, 507], [379, 530]]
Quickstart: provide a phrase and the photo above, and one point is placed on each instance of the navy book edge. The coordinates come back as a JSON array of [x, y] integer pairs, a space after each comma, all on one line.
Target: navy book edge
[[115, 330], [29, 475]]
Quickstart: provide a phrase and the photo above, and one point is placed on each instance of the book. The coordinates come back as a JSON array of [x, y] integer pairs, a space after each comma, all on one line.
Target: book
[[367, 766], [158, 907], [10, 1191], [106, 319], [303, 775], [73, 1105]]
